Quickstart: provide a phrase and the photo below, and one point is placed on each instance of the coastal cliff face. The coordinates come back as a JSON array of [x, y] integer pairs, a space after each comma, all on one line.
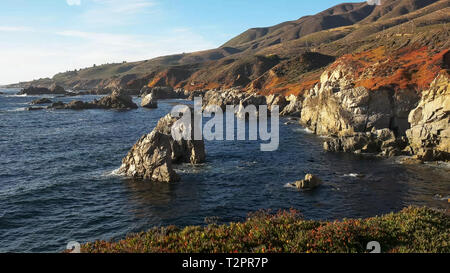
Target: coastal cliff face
[[338, 107], [429, 136], [369, 102]]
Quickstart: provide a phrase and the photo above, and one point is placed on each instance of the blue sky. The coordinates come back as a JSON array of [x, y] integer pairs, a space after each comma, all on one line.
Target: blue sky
[[41, 38]]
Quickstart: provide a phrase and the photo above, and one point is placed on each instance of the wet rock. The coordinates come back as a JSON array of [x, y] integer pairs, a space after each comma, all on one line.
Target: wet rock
[[310, 182], [117, 100], [382, 142], [149, 102], [153, 156], [41, 101], [35, 108], [57, 105]]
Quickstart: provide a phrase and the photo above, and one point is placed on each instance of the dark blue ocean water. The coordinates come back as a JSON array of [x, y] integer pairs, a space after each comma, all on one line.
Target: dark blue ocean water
[[57, 183]]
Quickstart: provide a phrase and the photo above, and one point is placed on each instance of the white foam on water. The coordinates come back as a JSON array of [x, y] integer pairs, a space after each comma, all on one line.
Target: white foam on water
[[303, 130], [356, 175], [113, 173], [289, 185]]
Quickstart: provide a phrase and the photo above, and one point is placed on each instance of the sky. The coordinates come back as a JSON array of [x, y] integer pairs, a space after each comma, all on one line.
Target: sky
[[41, 38]]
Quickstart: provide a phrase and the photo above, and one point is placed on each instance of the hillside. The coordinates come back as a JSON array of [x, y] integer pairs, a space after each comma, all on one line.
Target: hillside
[[273, 60]]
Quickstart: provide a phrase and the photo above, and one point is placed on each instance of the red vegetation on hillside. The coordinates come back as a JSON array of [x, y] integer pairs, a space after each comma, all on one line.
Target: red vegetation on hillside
[[402, 69]]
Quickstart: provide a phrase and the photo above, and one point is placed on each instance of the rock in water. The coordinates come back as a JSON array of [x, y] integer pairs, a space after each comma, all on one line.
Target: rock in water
[[41, 101], [117, 100], [310, 182], [151, 158], [149, 102]]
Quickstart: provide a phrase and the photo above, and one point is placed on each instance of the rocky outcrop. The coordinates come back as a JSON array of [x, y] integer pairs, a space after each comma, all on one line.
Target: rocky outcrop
[[41, 101], [232, 96], [310, 182], [116, 100], [429, 136], [277, 99], [337, 107], [163, 93], [380, 142], [153, 156], [55, 89], [149, 102], [293, 108]]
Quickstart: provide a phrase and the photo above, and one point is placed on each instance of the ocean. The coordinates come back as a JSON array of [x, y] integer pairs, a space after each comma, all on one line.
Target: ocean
[[58, 181]]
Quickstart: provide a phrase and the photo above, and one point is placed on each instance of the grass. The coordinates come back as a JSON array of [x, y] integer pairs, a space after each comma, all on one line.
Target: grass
[[413, 229]]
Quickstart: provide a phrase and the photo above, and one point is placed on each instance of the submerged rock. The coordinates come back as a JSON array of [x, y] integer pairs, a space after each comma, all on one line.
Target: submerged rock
[[41, 101], [149, 102], [310, 182], [35, 108], [151, 158]]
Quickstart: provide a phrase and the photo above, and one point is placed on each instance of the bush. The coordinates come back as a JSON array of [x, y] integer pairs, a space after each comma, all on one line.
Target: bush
[[411, 230]]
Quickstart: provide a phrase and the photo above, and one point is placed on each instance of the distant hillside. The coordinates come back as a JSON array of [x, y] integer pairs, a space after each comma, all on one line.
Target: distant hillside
[[276, 59]]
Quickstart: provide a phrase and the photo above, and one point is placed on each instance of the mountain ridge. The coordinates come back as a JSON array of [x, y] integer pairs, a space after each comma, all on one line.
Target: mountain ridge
[[353, 27]]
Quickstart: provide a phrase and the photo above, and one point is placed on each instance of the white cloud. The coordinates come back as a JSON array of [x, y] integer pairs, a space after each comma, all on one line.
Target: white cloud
[[14, 29], [73, 2], [74, 49]]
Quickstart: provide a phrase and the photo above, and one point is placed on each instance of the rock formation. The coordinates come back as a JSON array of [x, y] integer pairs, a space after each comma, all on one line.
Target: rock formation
[[55, 89], [381, 142], [151, 158], [310, 182], [149, 102], [41, 101], [429, 136], [163, 93], [116, 100]]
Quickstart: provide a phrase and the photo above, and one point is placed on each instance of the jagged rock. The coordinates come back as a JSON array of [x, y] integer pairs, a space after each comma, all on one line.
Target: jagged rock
[[382, 142], [35, 108], [310, 182], [429, 136], [41, 101], [337, 107], [149, 102], [277, 99], [151, 158], [79, 105], [294, 108], [57, 105], [57, 89], [116, 100], [163, 93]]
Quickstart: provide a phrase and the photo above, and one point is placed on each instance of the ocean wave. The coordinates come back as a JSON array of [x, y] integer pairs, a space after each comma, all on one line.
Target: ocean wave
[[303, 130], [356, 175], [113, 173], [14, 95]]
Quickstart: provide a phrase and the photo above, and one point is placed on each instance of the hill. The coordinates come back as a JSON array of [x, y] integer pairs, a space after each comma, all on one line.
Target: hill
[[272, 59]]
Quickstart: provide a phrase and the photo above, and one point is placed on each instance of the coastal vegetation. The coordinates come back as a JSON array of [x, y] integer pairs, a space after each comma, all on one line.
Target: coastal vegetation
[[412, 230]]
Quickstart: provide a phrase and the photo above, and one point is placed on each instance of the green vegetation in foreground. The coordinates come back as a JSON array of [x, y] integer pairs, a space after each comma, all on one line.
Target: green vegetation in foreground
[[411, 230]]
